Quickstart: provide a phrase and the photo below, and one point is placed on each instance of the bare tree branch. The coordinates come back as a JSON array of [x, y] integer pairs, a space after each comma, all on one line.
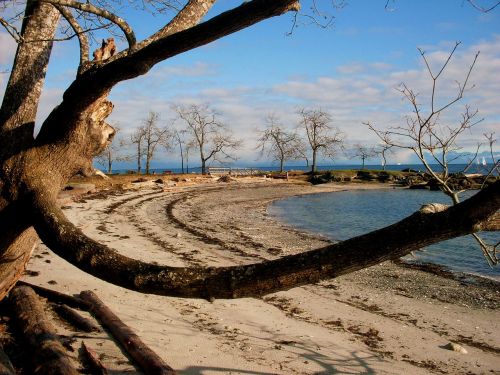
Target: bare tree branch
[[82, 38], [87, 7], [11, 29], [99, 79], [189, 16]]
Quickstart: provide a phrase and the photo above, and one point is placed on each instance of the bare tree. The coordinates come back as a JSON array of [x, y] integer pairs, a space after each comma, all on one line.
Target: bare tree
[[382, 150], [425, 134], [137, 138], [113, 152], [212, 138], [362, 152], [153, 136], [278, 143], [185, 144], [323, 138], [34, 169]]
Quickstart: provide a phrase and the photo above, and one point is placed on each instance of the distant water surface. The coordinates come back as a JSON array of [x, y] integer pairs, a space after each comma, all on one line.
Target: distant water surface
[[342, 215]]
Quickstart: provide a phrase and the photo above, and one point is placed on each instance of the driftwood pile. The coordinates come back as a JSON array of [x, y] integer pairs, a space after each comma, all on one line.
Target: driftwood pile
[[48, 353]]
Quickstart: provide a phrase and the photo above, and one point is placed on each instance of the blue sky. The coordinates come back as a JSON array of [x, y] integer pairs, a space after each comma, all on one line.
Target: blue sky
[[350, 70]]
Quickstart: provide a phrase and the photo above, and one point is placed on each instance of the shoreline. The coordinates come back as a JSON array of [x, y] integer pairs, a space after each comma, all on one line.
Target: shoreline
[[385, 319], [424, 265]]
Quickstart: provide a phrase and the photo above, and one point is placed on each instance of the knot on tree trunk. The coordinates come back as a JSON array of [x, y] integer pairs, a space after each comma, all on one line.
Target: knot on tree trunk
[[432, 208], [101, 133]]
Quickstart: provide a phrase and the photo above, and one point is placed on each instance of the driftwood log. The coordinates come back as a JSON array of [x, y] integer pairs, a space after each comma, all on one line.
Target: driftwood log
[[57, 297], [91, 360], [75, 319], [48, 354], [149, 362]]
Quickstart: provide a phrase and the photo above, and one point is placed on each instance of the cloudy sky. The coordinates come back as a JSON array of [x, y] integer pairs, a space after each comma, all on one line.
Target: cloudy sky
[[351, 70]]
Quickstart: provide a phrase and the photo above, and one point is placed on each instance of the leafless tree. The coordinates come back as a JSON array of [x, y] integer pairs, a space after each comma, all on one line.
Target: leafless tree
[[154, 136], [212, 138], [279, 143], [34, 169], [179, 137], [425, 134], [137, 139], [363, 152], [113, 152], [382, 150], [323, 138]]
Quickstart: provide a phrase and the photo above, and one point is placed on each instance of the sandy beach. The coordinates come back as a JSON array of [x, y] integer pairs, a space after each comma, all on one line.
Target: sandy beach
[[388, 319]]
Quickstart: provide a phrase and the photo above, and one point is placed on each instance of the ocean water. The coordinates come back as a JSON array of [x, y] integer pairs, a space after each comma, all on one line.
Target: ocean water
[[342, 215], [390, 167]]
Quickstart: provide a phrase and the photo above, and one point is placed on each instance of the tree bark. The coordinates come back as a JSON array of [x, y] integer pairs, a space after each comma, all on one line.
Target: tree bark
[[48, 354]]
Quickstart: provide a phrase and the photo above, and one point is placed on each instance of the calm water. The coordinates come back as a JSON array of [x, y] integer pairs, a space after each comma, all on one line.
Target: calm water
[[343, 215], [390, 167]]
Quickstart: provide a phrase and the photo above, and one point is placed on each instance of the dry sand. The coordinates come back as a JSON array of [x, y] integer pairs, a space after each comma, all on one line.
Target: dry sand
[[388, 319]]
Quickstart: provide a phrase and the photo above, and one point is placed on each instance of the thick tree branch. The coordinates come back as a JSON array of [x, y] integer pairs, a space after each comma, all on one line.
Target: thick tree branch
[[188, 17], [99, 79], [416, 231]]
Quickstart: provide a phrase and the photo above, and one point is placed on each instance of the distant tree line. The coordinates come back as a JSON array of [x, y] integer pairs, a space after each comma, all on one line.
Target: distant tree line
[[199, 129]]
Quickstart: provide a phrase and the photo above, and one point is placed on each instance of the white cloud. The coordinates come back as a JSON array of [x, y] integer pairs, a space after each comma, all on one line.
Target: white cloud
[[366, 93], [356, 93]]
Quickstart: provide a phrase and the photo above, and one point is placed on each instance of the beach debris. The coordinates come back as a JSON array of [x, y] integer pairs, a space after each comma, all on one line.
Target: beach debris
[[226, 178], [48, 354], [91, 360], [140, 179], [159, 181], [58, 297], [455, 347], [75, 319], [144, 357]]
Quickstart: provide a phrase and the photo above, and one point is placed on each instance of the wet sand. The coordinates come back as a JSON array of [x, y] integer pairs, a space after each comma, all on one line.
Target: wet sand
[[388, 319]]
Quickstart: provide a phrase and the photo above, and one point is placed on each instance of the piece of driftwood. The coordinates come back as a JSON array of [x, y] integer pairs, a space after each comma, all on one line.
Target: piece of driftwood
[[92, 361], [75, 319], [6, 367], [149, 362], [58, 297], [47, 353]]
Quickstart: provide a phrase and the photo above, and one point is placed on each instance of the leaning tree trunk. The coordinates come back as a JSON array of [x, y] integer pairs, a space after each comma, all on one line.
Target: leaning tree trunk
[[42, 166], [17, 119]]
